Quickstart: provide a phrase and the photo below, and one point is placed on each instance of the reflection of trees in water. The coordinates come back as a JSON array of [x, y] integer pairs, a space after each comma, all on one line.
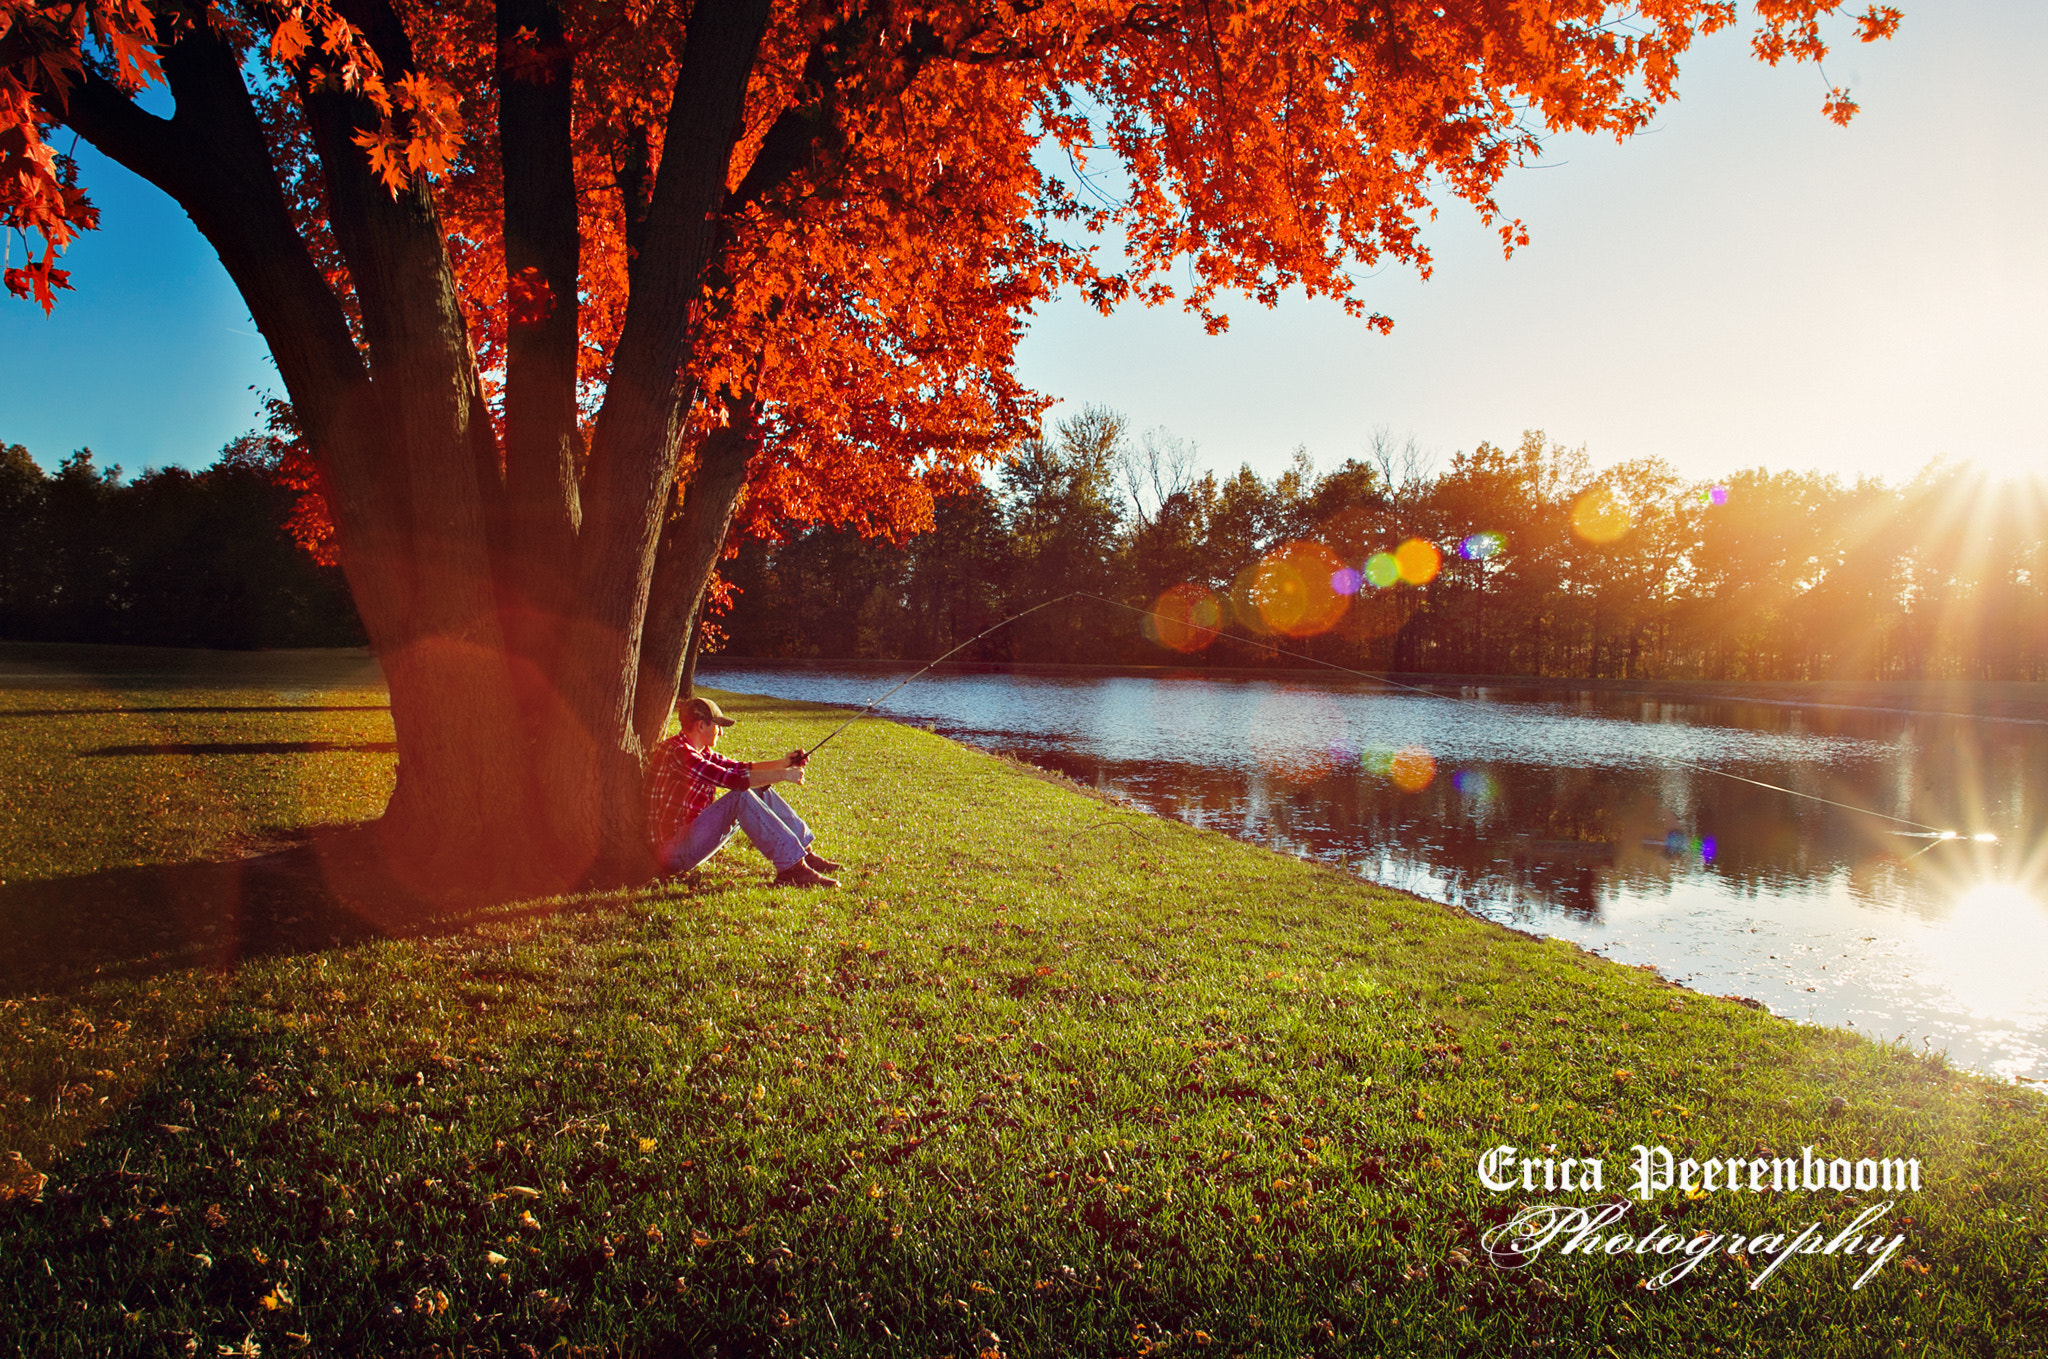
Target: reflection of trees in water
[[1527, 840], [1467, 846]]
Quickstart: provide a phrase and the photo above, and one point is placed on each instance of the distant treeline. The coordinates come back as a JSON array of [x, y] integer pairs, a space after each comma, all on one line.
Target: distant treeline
[[1522, 561], [172, 558]]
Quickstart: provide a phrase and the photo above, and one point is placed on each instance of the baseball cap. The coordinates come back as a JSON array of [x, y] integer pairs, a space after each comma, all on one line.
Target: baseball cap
[[704, 710]]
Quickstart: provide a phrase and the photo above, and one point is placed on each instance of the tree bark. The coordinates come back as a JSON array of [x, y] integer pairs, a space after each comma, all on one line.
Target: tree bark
[[686, 685], [542, 249], [506, 590], [690, 547], [592, 766]]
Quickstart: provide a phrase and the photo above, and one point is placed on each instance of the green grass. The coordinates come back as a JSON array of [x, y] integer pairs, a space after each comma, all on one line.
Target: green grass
[[1047, 1077]]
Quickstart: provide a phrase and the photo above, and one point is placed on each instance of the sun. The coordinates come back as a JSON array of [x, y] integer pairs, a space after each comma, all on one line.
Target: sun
[[1993, 945]]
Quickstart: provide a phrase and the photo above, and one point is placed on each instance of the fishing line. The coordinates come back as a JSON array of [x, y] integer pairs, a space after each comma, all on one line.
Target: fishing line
[[928, 665], [1936, 833]]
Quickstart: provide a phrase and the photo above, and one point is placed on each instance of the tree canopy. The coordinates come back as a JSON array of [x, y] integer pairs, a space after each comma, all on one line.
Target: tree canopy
[[558, 290]]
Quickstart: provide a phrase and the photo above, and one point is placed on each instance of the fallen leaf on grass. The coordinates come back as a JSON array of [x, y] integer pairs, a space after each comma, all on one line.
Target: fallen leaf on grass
[[20, 1180]]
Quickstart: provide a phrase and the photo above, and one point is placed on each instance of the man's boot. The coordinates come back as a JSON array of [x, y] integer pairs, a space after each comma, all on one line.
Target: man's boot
[[801, 874]]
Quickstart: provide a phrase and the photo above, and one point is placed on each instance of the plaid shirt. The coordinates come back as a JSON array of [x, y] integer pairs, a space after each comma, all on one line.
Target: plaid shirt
[[684, 782]]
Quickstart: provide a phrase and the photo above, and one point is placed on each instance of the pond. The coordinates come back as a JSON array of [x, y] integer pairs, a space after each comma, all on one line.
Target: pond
[[1853, 890]]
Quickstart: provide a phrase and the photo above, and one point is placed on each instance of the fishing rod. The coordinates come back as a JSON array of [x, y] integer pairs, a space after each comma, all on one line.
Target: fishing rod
[[1935, 833], [1083, 594], [806, 754]]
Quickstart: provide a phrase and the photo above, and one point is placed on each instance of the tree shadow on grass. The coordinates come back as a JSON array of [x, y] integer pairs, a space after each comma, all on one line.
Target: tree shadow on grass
[[241, 748], [329, 888], [163, 710]]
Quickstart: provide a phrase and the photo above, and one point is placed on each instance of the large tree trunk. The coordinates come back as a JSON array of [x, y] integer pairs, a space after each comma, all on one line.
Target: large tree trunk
[[505, 601]]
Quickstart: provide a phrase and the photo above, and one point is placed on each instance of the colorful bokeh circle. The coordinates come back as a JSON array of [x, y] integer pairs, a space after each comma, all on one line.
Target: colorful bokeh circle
[[1476, 784], [1599, 516], [1412, 769], [1479, 546], [1295, 590], [1185, 618], [1382, 570], [1418, 561]]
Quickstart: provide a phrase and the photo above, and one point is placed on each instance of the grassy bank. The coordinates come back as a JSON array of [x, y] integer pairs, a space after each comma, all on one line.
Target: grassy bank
[[1047, 1077]]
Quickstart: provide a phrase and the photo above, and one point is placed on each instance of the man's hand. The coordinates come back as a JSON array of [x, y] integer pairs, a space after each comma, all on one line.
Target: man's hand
[[798, 758]]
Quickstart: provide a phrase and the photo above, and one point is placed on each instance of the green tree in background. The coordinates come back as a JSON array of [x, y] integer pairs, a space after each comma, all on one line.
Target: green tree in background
[[1065, 521], [21, 549], [174, 558], [1548, 567]]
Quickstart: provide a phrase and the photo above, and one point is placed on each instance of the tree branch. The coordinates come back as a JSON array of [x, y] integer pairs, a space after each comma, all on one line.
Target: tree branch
[[632, 471], [427, 443], [690, 548], [535, 67], [213, 160]]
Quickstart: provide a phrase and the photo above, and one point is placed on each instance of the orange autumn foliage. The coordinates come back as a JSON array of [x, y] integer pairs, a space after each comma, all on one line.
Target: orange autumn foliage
[[1262, 146]]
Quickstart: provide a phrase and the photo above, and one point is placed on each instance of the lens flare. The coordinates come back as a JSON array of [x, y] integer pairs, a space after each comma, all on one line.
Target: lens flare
[[1382, 570], [1680, 845], [1185, 618], [1599, 516], [1412, 769], [1244, 601], [1714, 495], [1418, 561], [1295, 590], [1345, 581], [1479, 546], [1476, 784]]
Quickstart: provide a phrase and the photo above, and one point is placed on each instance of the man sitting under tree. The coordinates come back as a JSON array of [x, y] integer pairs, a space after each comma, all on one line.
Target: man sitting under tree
[[689, 820]]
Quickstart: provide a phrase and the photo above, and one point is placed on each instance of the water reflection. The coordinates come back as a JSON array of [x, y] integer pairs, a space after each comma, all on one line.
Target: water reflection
[[1994, 945], [1574, 815]]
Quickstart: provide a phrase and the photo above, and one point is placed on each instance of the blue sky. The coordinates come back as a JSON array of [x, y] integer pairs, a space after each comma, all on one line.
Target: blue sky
[[1745, 285]]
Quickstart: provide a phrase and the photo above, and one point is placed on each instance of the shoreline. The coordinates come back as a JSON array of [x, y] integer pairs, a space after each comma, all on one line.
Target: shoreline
[[33, 665], [2001, 700]]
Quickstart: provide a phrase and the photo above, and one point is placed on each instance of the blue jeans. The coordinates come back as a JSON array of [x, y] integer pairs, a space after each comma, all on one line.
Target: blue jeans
[[776, 830]]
